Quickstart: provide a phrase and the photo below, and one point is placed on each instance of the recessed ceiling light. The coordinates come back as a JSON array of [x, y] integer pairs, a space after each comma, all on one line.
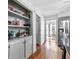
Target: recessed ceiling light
[[66, 1]]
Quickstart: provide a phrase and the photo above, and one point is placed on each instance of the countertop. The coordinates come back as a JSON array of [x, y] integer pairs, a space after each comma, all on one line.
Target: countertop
[[19, 39]]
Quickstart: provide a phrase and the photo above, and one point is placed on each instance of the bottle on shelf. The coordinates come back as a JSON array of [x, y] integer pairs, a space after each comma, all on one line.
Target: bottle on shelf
[[18, 34], [11, 34]]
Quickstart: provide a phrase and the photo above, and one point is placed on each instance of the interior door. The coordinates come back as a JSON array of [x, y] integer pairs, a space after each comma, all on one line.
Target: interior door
[[38, 39]]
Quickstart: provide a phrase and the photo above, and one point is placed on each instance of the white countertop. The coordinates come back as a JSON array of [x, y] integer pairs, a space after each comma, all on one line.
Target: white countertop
[[16, 40]]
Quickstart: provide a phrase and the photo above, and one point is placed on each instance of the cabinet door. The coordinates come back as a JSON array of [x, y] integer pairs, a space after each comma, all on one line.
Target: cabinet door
[[9, 52], [17, 51], [28, 47]]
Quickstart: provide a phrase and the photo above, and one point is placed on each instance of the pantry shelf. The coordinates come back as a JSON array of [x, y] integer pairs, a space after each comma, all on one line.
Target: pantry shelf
[[17, 26], [18, 14], [60, 27]]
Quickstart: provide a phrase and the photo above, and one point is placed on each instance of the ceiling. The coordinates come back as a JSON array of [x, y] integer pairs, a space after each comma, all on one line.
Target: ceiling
[[50, 7]]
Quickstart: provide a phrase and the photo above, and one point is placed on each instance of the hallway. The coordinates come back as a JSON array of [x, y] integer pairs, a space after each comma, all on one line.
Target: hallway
[[49, 50]]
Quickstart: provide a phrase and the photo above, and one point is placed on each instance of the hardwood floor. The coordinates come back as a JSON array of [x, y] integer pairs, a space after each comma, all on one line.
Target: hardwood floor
[[49, 50]]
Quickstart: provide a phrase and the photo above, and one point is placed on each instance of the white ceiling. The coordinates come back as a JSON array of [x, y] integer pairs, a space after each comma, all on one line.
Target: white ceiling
[[50, 7]]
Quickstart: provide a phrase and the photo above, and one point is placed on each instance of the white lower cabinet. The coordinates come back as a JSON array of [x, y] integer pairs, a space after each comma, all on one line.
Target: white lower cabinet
[[28, 46], [16, 50], [20, 48], [8, 51]]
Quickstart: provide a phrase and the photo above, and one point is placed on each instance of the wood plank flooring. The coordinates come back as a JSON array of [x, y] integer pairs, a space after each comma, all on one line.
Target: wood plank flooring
[[49, 50]]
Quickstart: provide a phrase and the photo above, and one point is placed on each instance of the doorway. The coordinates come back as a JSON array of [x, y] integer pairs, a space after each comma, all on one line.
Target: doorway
[[38, 32], [51, 30]]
